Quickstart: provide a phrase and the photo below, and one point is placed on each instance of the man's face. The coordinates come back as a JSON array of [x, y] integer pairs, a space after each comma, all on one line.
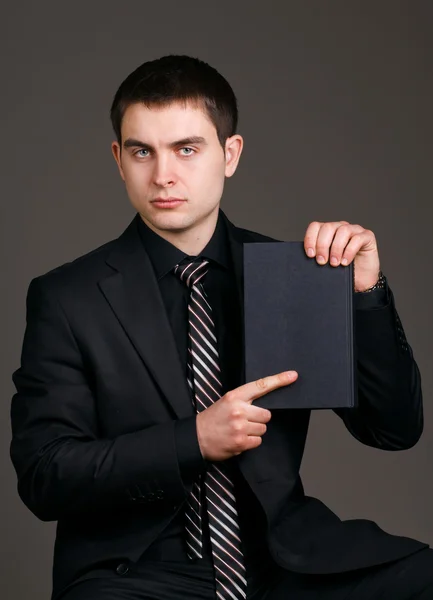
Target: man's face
[[174, 152]]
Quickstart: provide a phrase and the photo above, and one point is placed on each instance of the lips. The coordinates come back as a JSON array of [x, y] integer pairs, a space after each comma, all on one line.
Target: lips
[[168, 200]]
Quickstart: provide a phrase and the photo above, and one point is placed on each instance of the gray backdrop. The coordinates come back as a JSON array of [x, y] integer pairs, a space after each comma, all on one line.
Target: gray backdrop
[[336, 105]]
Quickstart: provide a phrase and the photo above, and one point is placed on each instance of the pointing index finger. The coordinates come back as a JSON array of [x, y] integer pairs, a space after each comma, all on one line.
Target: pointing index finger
[[256, 389]]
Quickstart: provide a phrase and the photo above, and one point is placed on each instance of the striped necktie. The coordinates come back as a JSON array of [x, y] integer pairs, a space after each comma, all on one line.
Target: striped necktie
[[214, 491]]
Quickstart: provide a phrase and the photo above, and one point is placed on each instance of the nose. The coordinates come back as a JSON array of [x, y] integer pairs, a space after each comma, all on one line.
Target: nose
[[163, 175]]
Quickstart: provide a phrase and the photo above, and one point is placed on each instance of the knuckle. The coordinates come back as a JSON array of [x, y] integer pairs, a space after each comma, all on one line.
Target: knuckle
[[238, 443], [236, 412], [322, 248], [337, 249], [237, 427], [261, 383]]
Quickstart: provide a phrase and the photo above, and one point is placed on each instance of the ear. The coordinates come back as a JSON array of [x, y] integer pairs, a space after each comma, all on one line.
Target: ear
[[233, 151], [115, 149]]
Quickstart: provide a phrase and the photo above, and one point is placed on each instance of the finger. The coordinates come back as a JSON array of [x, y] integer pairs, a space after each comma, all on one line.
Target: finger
[[324, 241], [256, 389], [342, 237], [257, 414], [253, 441], [253, 429], [248, 443], [354, 246], [311, 237]]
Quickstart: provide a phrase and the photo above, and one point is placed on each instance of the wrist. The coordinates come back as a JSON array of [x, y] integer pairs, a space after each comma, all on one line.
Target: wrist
[[200, 436], [380, 283]]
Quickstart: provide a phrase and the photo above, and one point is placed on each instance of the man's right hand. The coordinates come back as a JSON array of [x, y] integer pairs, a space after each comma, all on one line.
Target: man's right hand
[[232, 424]]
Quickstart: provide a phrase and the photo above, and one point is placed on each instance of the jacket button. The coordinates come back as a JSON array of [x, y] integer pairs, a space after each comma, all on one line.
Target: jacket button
[[122, 569], [160, 494]]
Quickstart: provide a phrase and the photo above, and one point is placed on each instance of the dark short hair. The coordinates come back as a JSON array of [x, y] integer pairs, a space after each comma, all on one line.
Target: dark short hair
[[178, 78]]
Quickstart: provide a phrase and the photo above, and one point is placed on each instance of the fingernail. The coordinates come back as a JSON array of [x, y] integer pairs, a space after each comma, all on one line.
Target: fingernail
[[321, 259], [334, 261], [344, 261], [310, 252], [290, 374]]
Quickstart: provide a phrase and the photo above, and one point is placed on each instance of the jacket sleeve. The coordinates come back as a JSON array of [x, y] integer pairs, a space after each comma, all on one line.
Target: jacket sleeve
[[62, 463], [389, 414]]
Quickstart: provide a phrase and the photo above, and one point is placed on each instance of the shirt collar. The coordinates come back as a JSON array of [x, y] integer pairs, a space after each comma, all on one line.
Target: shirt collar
[[164, 256]]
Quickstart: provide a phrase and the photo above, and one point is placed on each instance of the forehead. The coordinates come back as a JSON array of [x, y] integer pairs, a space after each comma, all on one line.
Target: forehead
[[172, 121]]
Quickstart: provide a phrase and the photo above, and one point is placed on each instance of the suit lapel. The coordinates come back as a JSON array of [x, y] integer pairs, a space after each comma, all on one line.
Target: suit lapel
[[133, 293], [134, 296]]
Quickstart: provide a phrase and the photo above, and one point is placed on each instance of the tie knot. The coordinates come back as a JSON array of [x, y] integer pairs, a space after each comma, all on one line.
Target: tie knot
[[191, 271]]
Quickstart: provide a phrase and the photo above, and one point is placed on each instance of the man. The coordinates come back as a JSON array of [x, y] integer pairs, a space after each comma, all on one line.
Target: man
[[133, 426]]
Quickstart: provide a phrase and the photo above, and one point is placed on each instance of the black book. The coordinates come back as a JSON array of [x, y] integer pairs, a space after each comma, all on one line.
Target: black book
[[299, 316]]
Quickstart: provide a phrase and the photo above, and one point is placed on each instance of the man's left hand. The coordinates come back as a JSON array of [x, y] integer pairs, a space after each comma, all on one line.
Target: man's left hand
[[340, 242]]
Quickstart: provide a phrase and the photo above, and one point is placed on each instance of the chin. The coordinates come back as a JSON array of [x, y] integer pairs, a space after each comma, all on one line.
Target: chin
[[169, 222]]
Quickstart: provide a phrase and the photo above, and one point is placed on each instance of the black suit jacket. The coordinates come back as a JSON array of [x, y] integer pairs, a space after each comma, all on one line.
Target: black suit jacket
[[99, 391]]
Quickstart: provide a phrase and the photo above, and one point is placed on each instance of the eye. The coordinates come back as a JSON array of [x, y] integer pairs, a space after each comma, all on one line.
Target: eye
[[189, 151], [139, 153]]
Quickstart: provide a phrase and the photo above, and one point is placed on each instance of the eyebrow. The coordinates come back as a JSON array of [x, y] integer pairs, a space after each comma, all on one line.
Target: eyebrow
[[195, 139]]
